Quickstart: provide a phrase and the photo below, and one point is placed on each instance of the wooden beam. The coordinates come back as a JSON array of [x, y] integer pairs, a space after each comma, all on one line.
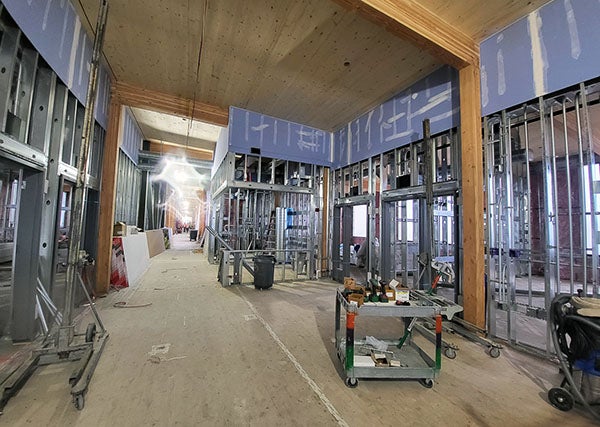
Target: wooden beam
[[412, 22], [472, 196], [179, 150], [134, 96], [107, 196]]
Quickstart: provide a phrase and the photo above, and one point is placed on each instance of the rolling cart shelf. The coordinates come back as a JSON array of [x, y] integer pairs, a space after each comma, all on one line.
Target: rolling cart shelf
[[414, 362]]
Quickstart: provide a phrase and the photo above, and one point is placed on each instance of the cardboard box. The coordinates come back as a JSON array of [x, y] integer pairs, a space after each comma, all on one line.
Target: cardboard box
[[358, 298], [403, 294], [120, 229], [349, 282], [381, 358]]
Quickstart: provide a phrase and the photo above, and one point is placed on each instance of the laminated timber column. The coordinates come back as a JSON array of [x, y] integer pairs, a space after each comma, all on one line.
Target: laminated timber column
[[472, 196], [107, 195]]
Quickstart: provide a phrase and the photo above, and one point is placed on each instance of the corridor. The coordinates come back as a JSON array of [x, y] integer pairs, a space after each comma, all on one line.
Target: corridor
[[189, 352]]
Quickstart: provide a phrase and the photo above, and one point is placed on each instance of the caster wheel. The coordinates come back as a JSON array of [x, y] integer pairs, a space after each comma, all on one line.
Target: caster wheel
[[560, 398], [450, 353], [426, 382], [351, 382], [78, 401], [494, 352], [90, 332]]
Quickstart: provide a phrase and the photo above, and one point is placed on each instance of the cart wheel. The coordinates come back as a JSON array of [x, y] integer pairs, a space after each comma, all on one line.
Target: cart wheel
[[90, 332], [560, 398], [351, 382], [494, 352], [78, 401], [426, 382], [450, 353]]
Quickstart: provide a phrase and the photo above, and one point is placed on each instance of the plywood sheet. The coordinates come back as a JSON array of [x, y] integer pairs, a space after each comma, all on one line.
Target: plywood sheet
[[479, 19], [156, 242], [137, 258]]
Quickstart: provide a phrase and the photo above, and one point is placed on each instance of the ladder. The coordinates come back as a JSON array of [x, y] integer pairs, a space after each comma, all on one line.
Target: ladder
[[269, 237]]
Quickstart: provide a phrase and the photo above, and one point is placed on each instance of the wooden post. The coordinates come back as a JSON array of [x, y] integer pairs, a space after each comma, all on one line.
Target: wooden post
[[472, 196], [107, 196]]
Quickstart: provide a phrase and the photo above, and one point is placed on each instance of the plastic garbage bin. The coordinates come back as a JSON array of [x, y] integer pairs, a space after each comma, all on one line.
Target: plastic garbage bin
[[264, 268], [193, 235]]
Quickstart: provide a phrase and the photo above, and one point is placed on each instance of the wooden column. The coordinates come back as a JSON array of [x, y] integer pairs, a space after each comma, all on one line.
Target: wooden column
[[472, 196], [107, 196]]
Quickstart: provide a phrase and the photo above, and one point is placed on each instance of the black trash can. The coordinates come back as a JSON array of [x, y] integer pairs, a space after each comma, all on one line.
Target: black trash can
[[193, 235], [264, 268]]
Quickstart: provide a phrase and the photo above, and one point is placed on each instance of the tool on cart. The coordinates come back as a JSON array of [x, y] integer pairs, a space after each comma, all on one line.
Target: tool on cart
[[407, 332], [443, 270], [373, 290], [383, 295]]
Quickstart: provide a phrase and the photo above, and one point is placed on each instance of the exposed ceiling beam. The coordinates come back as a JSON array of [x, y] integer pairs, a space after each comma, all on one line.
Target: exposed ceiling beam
[[174, 144], [412, 22], [134, 96]]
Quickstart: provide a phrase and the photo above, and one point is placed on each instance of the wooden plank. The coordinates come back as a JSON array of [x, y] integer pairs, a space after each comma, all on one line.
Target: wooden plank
[[134, 96], [472, 196], [414, 23], [107, 196], [202, 212], [156, 242], [480, 19]]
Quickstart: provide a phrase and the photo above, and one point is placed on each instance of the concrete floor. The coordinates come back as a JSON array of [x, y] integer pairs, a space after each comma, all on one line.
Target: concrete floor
[[239, 356]]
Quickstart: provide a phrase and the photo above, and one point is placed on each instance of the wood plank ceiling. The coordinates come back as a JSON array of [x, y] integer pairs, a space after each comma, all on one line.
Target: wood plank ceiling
[[309, 61]]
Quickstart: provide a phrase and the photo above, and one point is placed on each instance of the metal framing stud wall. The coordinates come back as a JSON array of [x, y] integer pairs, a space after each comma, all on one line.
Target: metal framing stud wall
[[41, 125], [401, 223], [542, 189], [264, 204]]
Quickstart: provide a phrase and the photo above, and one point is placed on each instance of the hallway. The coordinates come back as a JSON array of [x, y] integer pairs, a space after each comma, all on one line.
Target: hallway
[[201, 354]]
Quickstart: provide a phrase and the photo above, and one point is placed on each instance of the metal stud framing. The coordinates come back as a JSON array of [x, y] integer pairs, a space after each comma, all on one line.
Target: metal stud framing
[[542, 226]]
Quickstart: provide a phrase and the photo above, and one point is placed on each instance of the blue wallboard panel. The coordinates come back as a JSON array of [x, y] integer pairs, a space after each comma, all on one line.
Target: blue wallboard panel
[[277, 138], [132, 137], [221, 148], [550, 49], [398, 121], [340, 147], [55, 30]]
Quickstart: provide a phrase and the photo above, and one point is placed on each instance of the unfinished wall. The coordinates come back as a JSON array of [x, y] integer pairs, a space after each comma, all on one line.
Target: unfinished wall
[[132, 136], [548, 50], [277, 138], [55, 30], [398, 121]]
